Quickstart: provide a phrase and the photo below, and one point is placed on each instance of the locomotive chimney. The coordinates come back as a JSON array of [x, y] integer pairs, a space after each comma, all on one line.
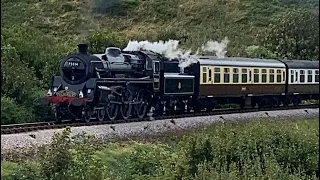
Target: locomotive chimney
[[83, 48]]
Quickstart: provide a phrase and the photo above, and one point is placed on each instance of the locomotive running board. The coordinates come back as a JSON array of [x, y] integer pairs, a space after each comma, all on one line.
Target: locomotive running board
[[125, 80]]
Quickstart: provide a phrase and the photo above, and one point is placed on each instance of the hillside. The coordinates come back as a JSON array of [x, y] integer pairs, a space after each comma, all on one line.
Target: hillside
[[191, 21], [37, 33]]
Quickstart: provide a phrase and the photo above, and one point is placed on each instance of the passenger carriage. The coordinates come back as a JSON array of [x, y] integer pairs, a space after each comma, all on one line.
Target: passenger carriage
[[241, 80]]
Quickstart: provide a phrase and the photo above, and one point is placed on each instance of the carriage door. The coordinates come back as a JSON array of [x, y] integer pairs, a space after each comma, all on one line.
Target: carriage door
[[295, 76], [250, 75], [156, 75]]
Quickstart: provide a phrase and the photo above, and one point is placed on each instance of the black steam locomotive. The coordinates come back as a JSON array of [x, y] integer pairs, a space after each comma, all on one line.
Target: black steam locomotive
[[118, 84]]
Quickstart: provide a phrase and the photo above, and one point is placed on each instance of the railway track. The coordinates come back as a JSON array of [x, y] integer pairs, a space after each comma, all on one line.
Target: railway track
[[29, 127]]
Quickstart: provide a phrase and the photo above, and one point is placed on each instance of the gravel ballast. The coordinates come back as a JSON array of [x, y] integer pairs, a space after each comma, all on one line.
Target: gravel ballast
[[42, 137]]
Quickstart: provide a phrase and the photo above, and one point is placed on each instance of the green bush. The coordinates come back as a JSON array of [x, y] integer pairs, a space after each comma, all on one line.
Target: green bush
[[71, 158], [12, 113], [259, 52], [99, 40]]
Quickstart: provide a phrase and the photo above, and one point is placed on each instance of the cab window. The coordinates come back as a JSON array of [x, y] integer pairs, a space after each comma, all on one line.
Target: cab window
[[156, 68]]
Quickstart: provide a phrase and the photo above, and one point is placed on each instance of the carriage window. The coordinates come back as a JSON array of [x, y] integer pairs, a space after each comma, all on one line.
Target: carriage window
[[278, 76], [283, 75], [292, 76], [235, 75], [271, 75], [264, 75], [302, 76], [204, 69], [204, 75], [309, 76], [226, 75], [296, 76], [317, 76], [210, 75], [216, 75], [256, 75], [244, 75]]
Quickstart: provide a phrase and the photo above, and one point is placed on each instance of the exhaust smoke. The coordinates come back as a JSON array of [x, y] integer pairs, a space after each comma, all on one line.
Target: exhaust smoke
[[171, 50]]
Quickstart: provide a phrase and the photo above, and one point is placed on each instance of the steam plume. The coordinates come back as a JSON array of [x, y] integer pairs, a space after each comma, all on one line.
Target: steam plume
[[218, 48], [170, 50]]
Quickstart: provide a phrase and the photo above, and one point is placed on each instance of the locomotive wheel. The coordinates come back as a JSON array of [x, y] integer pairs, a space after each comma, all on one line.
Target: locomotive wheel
[[126, 107], [86, 114], [57, 114], [112, 111], [101, 114], [141, 109]]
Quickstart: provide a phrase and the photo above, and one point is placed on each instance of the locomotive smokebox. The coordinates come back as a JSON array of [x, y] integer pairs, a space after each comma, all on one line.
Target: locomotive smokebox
[[83, 48]]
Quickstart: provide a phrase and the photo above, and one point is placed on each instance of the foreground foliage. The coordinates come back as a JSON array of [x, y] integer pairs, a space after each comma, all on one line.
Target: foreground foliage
[[254, 150]]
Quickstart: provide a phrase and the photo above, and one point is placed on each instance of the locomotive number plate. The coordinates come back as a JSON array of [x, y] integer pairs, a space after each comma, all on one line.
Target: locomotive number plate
[[66, 93]]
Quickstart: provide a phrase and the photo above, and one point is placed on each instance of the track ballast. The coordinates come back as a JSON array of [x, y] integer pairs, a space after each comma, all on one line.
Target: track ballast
[[29, 127]]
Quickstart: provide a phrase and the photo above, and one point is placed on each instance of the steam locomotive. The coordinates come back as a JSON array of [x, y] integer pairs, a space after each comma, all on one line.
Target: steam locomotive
[[125, 84], [117, 84]]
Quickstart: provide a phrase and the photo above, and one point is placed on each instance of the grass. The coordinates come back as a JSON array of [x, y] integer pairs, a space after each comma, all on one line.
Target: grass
[[264, 149], [192, 22]]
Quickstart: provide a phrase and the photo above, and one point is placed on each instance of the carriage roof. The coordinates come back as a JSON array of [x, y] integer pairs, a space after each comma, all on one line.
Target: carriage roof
[[302, 64], [240, 61]]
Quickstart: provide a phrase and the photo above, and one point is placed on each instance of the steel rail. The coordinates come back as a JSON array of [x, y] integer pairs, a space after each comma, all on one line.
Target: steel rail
[[29, 127]]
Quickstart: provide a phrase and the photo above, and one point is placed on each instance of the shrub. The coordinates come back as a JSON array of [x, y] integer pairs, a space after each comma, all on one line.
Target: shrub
[[99, 40], [137, 161], [12, 113], [259, 52], [71, 158]]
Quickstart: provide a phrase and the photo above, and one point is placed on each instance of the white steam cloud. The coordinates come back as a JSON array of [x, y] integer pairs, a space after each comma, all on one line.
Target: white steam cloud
[[171, 50], [218, 48]]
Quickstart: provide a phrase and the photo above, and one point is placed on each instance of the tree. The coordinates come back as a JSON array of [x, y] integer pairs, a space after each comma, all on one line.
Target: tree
[[294, 34], [17, 78], [99, 40]]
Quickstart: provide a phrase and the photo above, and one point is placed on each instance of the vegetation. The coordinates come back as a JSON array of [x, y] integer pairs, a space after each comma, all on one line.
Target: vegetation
[[254, 150], [37, 34]]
